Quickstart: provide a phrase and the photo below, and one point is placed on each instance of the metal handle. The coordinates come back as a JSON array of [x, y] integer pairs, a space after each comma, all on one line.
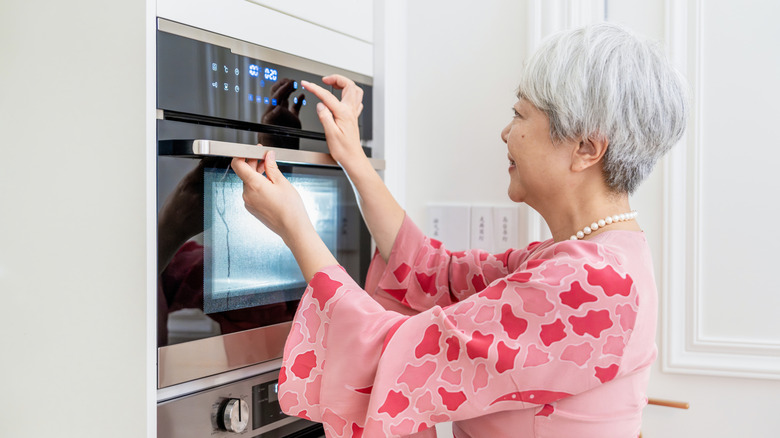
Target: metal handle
[[288, 156]]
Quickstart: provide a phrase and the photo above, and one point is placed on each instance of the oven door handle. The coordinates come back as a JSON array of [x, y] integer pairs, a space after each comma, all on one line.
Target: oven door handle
[[287, 156]]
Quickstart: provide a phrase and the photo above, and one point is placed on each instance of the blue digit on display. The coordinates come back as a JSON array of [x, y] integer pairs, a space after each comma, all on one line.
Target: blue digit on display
[[254, 71], [270, 74]]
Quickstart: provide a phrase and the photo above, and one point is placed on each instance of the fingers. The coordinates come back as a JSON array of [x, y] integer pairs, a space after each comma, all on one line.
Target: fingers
[[352, 94], [271, 168], [326, 118], [324, 95]]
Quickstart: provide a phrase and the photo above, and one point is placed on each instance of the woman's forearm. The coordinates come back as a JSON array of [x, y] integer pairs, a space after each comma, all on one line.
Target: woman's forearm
[[382, 213]]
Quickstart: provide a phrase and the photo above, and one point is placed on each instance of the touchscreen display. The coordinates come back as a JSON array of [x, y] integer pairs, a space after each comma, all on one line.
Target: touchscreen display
[[245, 263]]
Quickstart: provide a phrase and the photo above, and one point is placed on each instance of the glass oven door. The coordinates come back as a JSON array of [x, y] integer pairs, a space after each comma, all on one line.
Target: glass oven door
[[228, 286]]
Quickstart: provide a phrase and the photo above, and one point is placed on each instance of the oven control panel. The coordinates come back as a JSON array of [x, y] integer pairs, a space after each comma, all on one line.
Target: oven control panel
[[248, 408]]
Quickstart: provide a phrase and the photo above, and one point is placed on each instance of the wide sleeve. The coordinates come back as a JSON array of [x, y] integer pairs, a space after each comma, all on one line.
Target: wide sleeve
[[421, 273], [554, 328]]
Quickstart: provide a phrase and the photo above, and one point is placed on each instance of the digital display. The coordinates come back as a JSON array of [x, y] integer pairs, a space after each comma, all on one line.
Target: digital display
[[254, 71], [270, 74]]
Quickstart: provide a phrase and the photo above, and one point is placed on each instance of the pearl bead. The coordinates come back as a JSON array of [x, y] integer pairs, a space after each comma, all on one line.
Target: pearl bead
[[604, 222]]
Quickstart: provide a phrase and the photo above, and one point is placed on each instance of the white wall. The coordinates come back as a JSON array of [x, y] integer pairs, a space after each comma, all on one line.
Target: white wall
[[73, 255], [462, 67]]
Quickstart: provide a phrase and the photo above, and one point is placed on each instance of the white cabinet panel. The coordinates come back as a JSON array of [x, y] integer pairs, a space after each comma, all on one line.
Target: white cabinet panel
[[270, 28], [351, 17]]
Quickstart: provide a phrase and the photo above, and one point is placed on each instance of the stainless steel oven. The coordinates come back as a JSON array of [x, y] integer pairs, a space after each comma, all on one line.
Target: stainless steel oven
[[228, 287]]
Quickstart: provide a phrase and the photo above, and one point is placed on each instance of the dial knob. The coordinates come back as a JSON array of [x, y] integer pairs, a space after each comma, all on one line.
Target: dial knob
[[235, 415]]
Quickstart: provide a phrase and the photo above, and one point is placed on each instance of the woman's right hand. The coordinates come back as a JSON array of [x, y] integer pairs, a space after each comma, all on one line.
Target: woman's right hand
[[339, 118]]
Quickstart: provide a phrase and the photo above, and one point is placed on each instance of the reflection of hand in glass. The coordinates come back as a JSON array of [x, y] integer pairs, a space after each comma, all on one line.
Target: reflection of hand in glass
[[283, 113]]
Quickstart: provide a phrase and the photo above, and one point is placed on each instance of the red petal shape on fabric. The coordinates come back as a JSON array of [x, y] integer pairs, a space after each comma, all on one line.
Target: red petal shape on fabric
[[537, 397], [494, 292], [357, 431], [282, 375], [606, 374], [394, 404], [323, 288], [479, 345], [545, 411], [402, 271], [506, 357], [513, 325], [535, 357], [427, 282], [452, 400], [609, 280], [366, 390], [304, 415], [520, 277], [453, 348], [552, 332], [593, 323], [398, 294], [435, 243], [478, 281], [303, 364], [576, 296], [429, 343]]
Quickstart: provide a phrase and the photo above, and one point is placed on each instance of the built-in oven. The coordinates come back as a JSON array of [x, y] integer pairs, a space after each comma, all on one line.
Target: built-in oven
[[228, 287]]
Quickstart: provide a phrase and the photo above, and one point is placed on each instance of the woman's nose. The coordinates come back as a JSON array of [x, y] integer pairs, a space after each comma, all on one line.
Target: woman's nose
[[505, 132]]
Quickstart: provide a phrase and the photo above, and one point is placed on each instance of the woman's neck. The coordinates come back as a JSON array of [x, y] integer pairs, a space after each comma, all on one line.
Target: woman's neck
[[572, 215]]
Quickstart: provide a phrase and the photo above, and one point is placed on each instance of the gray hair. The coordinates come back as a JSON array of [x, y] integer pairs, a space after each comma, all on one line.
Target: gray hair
[[603, 82]]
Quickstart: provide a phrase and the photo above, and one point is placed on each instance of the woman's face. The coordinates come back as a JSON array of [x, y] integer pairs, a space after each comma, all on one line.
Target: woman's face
[[537, 167]]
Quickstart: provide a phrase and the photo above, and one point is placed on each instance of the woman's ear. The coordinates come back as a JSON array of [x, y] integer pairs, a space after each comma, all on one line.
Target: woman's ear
[[588, 152]]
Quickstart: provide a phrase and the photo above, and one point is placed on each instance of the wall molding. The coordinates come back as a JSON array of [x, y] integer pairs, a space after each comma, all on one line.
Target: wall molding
[[686, 348]]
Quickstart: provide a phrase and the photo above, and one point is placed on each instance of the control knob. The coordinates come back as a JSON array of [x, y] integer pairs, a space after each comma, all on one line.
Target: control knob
[[233, 415]]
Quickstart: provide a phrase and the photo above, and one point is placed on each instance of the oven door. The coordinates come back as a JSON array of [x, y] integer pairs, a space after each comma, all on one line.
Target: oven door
[[229, 287]]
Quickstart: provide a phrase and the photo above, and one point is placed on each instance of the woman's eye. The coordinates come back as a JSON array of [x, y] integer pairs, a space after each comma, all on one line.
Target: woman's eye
[[515, 114]]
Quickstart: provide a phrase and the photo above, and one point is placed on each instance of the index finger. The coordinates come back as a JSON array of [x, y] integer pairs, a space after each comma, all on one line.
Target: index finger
[[352, 94], [324, 95], [244, 170]]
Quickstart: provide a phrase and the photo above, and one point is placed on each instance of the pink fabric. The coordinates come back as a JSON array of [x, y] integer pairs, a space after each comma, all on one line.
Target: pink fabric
[[553, 340]]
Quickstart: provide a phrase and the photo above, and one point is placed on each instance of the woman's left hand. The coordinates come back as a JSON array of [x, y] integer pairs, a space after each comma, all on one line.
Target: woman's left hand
[[270, 197]]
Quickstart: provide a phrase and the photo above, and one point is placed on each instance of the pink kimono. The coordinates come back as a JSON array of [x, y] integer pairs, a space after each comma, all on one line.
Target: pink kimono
[[555, 340]]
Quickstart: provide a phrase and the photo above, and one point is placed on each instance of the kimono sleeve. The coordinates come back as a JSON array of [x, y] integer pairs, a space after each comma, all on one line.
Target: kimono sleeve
[[553, 329], [421, 273]]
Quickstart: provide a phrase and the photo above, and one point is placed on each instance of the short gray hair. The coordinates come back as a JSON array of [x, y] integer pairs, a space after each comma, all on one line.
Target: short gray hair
[[603, 81]]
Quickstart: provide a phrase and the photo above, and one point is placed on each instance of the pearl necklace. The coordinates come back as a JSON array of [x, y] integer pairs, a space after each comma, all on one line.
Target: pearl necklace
[[603, 223]]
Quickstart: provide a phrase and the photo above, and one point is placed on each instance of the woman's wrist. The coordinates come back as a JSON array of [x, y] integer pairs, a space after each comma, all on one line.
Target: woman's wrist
[[309, 251]]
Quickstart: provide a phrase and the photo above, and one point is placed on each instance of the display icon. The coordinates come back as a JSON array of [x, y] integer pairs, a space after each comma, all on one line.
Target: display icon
[[266, 101], [254, 71], [227, 87], [214, 66], [270, 74], [236, 71], [251, 98], [226, 68], [236, 88], [295, 85], [215, 84]]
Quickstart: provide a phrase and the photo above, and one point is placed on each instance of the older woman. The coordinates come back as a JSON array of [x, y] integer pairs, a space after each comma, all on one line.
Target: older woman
[[552, 340]]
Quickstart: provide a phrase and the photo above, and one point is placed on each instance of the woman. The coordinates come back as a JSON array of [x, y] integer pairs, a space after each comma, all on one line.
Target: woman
[[552, 340]]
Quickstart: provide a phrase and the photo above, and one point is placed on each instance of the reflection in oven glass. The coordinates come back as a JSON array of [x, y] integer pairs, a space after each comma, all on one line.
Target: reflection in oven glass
[[245, 263]]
